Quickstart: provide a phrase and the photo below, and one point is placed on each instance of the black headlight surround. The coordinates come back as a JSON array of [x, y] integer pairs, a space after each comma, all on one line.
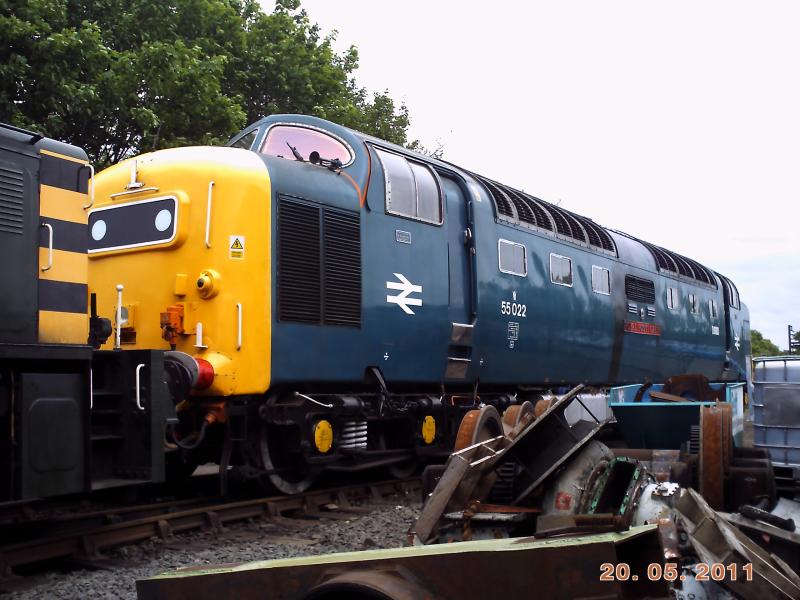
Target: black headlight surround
[[133, 225]]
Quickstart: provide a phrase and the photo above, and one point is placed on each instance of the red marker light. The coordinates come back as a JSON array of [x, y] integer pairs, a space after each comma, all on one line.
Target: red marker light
[[205, 375]]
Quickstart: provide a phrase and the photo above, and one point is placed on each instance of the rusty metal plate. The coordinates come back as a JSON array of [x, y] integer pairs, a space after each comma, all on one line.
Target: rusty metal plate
[[727, 434], [508, 568], [711, 462]]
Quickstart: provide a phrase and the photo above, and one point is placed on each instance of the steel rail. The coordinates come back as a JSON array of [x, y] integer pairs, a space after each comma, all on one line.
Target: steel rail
[[88, 542]]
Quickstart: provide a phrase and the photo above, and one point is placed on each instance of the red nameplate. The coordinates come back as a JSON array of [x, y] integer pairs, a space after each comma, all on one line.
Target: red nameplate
[[642, 328]]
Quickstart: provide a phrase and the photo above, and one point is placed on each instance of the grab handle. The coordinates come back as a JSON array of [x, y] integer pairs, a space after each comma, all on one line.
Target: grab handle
[[49, 246], [208, 214], [139, 386], [91, 187]]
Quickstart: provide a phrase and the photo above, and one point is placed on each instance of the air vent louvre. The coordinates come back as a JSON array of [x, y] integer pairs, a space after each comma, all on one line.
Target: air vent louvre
[[594, 239], [342, 268], [640, 290], [562, 226], [11, 201], [319, 265], [675, 263], [524, 210], [520, 207], [605, 239], [501, 202], [538, 216], [577, 230], [542, 216], [701, 273], [299, 268]]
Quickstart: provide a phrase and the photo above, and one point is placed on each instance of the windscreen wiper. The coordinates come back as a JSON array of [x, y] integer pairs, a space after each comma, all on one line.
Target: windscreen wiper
[[297, 155]]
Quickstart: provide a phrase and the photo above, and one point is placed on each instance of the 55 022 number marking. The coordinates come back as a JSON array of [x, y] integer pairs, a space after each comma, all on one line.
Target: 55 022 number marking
[[515, 309]]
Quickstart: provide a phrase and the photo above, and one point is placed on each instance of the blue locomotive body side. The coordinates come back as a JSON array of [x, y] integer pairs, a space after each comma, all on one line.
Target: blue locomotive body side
[[428, 300]]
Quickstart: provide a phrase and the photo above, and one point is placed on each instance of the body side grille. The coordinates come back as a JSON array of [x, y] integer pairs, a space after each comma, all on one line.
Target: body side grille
[[299, 268], [11, 200], [640, 290], [520, 207], [319, 264], [341, 246]]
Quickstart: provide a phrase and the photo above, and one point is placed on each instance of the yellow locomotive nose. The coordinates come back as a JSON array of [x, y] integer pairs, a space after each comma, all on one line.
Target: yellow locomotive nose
[[185, 245]]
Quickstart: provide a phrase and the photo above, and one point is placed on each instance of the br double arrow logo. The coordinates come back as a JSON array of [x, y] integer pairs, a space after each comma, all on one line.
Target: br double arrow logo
[[406, 288]]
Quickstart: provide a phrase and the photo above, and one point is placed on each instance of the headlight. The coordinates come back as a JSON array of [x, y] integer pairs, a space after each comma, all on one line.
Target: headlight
[[133, 225]]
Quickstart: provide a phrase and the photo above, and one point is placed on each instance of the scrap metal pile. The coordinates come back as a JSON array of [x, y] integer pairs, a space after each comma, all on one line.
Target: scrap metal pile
[[548, 477], [541, 508]]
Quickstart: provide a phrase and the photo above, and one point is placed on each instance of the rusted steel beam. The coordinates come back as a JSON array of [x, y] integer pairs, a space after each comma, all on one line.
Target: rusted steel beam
[[712, 456], [510, 568], [716, 541]]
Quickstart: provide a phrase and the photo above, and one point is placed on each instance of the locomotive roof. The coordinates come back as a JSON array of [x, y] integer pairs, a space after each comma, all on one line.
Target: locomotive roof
[[519, 208], [30, 142]]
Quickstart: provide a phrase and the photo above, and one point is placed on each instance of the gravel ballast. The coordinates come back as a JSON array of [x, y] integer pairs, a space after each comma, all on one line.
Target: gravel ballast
[[385, 527]]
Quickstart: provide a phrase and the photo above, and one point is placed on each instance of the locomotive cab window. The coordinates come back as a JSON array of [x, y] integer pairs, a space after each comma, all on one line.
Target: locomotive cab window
[[512, 258], [561, 270], [245, 141], [601, 280], [297, 143], [412, 189], [673, 298], [712, 309]]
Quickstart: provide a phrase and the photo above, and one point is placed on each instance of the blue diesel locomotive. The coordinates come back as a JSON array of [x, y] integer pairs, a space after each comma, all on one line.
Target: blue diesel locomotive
[[329, 300], [465, 279]]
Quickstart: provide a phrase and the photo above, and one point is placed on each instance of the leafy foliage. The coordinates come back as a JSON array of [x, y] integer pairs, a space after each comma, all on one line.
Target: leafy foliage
[[761, 346], [119, 77]]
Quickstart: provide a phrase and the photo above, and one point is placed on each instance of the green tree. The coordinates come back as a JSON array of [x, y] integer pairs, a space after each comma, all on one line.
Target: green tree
[[287, 67], [119, 77], [761, 346]]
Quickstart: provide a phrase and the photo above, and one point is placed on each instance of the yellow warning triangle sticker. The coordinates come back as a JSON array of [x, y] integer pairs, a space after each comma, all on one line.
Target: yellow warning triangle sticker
[[237, 245]]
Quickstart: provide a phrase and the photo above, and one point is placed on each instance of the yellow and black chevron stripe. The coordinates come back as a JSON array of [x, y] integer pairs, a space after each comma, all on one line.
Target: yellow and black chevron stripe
[[63, 290]]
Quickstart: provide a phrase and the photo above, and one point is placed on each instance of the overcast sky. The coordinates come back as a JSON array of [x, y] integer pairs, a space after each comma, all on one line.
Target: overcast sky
[[677, 122]]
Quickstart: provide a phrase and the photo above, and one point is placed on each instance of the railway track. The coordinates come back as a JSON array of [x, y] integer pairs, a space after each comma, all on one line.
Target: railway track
[[83, 537]]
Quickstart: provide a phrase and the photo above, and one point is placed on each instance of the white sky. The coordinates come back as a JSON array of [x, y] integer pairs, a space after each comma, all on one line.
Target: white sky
[[677, 122]]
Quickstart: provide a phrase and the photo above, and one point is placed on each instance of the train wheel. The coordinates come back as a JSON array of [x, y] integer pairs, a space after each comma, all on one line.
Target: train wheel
[[513, 415], [478, 425], [401, 470], [542, 406], [292, 475]]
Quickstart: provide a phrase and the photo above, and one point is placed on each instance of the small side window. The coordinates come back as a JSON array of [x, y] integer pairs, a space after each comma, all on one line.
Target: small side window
[[561, 270], [412, 189], [601, 280], [694, 304], [712, 309], [246, 140], [673, 298], [512, 258]]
